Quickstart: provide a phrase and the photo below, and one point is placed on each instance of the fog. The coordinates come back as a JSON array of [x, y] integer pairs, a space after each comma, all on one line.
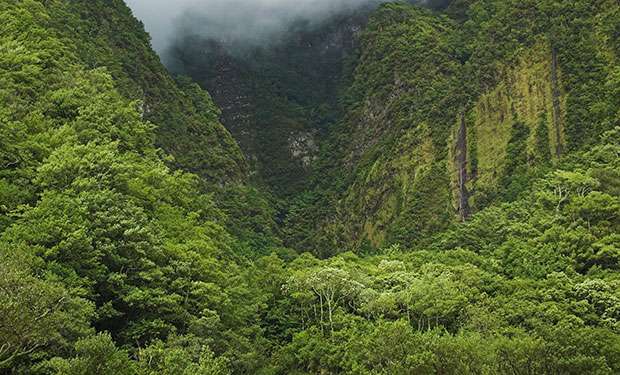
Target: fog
[[234, 22]]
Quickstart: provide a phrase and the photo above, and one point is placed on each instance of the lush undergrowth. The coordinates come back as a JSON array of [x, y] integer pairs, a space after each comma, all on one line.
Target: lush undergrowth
[[116, 258]]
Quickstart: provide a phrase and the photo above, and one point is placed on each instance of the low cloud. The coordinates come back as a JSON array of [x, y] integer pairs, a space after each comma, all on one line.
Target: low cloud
[[234, 22]]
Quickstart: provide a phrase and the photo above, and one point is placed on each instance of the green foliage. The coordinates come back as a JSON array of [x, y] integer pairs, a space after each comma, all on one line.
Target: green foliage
[[105, 33], [38, 314], [113, 263], [98, 355], [119, 242], [180, 355], [95, 355]]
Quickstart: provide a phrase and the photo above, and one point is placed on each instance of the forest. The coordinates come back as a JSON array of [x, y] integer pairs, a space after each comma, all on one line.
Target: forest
[[438, 193]]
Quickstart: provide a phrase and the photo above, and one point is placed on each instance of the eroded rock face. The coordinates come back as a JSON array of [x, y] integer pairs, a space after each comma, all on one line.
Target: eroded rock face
[[303, 147], [277, 102]]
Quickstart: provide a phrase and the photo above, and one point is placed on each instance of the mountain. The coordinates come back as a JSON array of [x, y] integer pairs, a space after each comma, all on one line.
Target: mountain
[[415, 135], [277, 100], [398, 189], [105, 33], [437, 130]]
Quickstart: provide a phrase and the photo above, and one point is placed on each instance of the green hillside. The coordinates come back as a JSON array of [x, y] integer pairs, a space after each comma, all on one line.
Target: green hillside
[[406, 190], [105, 33], [499, 97]]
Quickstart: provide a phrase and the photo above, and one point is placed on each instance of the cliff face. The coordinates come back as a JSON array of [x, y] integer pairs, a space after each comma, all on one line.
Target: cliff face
[[445, 117], [518, 124], [277, 100], [403, 104], [389, 129]]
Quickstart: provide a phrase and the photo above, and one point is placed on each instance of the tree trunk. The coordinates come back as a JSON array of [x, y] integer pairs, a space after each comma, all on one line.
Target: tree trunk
[[321, 301], [329, 311]]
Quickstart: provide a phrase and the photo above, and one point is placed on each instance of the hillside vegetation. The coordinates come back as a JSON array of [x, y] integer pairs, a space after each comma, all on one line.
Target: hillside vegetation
[[459, 212], [446, 117]]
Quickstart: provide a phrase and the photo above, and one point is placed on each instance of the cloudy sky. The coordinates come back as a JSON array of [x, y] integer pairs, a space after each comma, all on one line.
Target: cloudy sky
[[247, 21]]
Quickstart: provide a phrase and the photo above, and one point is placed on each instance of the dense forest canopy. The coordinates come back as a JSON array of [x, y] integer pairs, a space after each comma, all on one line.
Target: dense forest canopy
[[395, 190]]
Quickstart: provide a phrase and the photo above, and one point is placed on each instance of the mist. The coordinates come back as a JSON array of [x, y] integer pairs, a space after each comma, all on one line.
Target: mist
[[235, 23]]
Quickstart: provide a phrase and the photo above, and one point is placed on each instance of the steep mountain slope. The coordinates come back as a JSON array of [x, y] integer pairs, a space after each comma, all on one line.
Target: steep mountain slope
[[424, 119], [277, 100], [188, 129], [106, 34], [97, 233], [446, 118]]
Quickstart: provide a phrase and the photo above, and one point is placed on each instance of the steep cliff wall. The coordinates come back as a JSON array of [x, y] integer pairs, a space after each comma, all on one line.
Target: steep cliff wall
[[403, 86], [387, 131], [277, 100], [528, 102], [445, 117]]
